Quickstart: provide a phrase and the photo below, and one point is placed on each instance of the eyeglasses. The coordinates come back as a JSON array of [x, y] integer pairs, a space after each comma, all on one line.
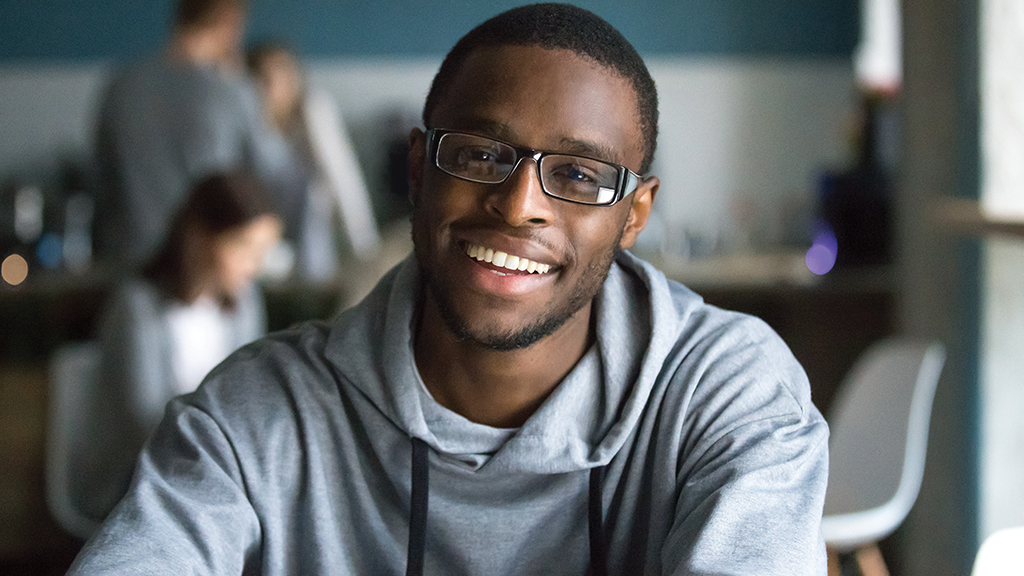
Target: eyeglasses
[[564, 176]]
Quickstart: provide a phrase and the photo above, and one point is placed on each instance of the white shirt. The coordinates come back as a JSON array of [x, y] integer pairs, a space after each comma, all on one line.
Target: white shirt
[[200, 337]]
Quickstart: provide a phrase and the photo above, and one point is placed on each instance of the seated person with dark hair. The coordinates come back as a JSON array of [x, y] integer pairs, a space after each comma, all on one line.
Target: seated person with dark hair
[[520, 396], [160, 332]]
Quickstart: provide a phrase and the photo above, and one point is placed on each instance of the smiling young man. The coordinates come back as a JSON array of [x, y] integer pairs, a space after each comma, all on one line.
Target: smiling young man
[[494, 340], [522, 396]]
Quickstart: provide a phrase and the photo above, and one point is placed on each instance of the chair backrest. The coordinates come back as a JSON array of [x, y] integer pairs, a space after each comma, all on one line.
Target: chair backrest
[[1001, 554], [879, 435], [72, 370]]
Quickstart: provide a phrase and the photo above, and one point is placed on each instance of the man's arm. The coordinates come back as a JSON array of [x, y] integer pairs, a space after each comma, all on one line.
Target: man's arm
[[754, 506], [187, 511], [754, 464]]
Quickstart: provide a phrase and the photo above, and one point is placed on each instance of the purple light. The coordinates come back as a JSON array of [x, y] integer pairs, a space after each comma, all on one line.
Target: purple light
[[821, 256]]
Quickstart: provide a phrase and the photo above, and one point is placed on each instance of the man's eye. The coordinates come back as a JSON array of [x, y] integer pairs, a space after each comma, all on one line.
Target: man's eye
[[573, 173], [477, 155]]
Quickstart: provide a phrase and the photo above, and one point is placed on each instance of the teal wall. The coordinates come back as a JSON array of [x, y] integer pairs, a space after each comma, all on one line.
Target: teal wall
[[78, 30]]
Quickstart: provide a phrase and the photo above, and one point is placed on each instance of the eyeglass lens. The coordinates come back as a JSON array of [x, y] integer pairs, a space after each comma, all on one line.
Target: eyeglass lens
[[570, 177]]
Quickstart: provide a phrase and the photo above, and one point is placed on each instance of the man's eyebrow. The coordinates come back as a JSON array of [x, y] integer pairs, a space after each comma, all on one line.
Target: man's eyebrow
[[567, 145], [589, 149], [491, 128]]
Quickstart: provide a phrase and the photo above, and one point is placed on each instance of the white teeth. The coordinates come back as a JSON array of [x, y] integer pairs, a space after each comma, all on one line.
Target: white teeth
[[504, 260]]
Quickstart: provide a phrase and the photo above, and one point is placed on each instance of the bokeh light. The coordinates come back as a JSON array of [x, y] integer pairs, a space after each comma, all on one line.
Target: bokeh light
[[14, 269], [821, 256]]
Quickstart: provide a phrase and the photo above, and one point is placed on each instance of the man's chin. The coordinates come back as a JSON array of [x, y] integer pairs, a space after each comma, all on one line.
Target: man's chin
[[489, 335], [509, 341]]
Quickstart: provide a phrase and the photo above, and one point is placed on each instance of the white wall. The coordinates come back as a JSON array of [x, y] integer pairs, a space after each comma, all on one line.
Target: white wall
[[741, 139], [1002, 387], [742, 142], [1002, 364]]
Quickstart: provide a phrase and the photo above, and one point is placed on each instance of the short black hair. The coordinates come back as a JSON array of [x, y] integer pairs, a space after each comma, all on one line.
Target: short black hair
[[559, 26]]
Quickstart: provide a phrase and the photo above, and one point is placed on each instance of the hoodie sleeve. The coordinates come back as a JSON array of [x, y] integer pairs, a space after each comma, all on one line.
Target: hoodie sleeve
[[754, 463], [187, 511]]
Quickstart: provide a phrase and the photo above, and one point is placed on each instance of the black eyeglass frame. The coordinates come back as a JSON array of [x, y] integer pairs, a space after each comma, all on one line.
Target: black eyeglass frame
[[627, 179]]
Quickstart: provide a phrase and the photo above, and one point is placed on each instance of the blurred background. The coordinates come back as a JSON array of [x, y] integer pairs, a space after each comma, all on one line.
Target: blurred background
[[847, 170]]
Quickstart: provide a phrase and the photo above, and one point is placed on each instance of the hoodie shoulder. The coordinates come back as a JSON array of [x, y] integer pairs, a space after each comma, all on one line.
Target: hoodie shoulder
[[717, 348]]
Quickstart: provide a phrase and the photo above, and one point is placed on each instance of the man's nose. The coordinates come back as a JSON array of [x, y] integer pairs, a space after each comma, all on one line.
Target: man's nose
[[520, 200]]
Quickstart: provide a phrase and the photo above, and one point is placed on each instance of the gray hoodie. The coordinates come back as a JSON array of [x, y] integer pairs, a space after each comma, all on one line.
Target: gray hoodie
[[295, 455]]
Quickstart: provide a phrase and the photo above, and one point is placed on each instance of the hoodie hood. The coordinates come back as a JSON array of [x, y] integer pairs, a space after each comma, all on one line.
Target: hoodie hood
[[585, 420]]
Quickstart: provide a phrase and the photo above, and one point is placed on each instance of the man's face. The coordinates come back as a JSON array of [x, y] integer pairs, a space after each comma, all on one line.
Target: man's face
[[548, 100], [231, 30]]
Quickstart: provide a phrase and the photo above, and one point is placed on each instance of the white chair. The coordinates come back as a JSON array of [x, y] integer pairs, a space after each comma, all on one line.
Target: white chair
[[1001, 554], [879, 435], [72, 368]]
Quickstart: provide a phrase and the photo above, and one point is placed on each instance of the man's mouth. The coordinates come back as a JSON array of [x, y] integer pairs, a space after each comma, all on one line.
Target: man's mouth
[[510, 262]]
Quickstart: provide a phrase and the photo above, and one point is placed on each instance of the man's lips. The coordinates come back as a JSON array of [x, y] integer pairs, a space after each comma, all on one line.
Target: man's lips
[[510, 262]]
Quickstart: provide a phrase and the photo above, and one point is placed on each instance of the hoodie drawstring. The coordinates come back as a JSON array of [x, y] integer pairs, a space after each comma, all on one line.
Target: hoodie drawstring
[[598, 554], [418, 509], [418, 515]]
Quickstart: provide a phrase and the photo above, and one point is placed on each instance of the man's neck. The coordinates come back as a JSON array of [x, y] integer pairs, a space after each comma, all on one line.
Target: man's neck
[[496, 388]]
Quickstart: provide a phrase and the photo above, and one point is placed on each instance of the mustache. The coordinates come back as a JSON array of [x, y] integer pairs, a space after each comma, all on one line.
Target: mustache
[[528, 234]]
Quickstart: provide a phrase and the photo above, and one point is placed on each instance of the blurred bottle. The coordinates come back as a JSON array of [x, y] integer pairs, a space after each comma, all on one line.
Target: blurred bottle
[[28, 214], [78, 220], [856, 203]]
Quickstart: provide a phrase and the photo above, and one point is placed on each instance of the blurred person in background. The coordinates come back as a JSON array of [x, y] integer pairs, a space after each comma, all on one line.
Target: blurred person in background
[[176, 116], [338, 229], [194, 303]]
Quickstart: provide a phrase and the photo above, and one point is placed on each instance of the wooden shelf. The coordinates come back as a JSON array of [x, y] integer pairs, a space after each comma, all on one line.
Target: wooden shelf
[[748, 271], [781, 272], [964, 216]]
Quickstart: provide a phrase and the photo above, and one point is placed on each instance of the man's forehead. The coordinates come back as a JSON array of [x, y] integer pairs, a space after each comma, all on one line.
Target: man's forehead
[[501, 62]]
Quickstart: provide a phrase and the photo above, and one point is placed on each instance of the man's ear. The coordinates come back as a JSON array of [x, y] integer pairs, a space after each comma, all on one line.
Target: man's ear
[[417, 152], [639, 211]]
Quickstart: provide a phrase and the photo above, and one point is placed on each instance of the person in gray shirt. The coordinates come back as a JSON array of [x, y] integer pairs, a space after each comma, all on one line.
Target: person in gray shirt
[[176, 117], [521, 395]]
